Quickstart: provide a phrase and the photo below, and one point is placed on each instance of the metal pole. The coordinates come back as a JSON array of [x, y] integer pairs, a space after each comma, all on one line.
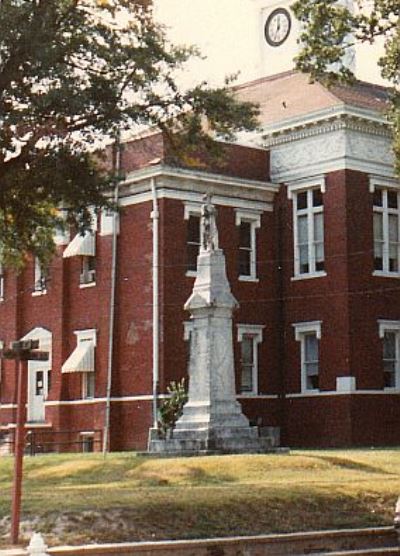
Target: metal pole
[[19, 444], [155, 215], [117, 174]]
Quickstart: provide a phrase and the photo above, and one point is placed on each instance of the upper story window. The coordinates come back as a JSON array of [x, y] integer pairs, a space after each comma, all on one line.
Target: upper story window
[[309, 335], [84, 246], [249, 336], [39, 279], [82, 360], [247, 222], [389, 331], [193, 241], [386, 207], [308, 228], [2, 281]]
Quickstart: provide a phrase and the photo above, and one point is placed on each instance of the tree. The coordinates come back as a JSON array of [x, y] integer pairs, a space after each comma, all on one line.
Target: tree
[[73, 72], [331, 28]]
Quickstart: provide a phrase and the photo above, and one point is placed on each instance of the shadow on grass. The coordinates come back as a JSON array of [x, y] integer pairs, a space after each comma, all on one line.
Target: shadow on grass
[[345, 463]]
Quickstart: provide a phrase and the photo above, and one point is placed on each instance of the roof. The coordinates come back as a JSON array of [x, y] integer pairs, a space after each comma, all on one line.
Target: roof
[[291, 94]]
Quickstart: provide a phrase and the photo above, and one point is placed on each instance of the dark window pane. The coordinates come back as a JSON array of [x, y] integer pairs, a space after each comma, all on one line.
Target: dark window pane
[[39, 383], [245, 234], [378, 202], [392, 199], [389, 380], [393, 265], [304, 268], [378, 263], [192, 252], [319, 265], [244, 262], [313, 382], [317, 198], [193, 234], [302, 200]]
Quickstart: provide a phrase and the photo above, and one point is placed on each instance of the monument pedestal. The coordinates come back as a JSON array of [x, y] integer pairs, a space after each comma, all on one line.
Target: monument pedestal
[[212, 419]]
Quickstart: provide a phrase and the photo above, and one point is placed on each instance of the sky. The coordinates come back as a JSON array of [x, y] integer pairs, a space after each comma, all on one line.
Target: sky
[[228, 34]]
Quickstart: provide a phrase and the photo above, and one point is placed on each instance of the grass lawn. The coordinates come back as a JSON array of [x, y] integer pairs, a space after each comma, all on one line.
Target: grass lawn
[[79, 498]]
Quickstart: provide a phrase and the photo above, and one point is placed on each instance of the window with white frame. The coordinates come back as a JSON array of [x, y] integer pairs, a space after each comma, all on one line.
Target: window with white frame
[[247, 222], [82, 360], [39, 278], [308, 227], [193, 239], [84, 246], [88, 269], [386, 208], [88, 385], [309, 335], [249, 336], [389, 332], [2, 281]]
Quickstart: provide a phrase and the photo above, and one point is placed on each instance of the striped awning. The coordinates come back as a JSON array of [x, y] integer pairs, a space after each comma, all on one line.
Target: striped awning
[[81, 359], [84, 245]]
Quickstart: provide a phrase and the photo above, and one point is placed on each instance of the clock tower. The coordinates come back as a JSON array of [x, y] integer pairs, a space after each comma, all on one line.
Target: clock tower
[[278, 32]]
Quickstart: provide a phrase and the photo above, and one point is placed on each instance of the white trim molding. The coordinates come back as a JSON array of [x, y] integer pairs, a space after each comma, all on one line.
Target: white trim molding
[[301, 328], [255, 333], [306, 183], [309, 368], [254, 219]]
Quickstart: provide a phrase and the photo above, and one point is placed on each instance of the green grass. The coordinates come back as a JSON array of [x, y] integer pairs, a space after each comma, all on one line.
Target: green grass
[[125, 497]]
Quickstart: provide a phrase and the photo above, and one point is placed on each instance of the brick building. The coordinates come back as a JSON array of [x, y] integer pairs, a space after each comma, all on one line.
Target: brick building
[[308, 218]]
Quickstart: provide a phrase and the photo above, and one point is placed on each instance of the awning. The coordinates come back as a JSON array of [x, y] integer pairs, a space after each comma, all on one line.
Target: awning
[[84, 245], [81, 359]]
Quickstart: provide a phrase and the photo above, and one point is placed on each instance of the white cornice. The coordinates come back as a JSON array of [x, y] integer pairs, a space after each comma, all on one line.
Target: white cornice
[[323, 121], [198, 176]]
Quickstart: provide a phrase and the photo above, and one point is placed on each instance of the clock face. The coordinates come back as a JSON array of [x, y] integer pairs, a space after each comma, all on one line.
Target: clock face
[[277, 27]]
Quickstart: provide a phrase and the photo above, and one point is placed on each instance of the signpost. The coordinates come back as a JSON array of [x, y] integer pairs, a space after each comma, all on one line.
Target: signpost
[[22, 352]]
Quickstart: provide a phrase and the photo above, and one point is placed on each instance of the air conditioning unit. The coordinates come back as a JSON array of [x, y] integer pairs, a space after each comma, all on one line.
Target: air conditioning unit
[[88, 276]]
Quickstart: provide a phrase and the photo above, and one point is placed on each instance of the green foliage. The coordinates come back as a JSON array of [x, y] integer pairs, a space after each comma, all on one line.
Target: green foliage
[[331, 28], [172, 407], [72, 73]]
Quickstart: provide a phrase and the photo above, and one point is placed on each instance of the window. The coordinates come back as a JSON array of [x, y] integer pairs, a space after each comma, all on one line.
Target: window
[[84, 246], [247, 222], [309, 335], [386, 207], [82, 360], [88, 385], [39, 286], [249, 336], [308, 227], [88, 270], [87, 442], [389, 331], [193, 240], [1, 282]]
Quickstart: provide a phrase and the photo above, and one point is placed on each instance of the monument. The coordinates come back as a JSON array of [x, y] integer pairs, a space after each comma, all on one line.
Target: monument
[[212, 419]]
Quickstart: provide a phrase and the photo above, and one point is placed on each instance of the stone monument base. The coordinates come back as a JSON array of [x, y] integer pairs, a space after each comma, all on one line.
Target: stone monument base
[[225, 440]]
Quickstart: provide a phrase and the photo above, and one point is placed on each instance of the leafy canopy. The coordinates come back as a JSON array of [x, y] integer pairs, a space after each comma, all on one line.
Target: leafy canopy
[[72, 73], [331, 28]]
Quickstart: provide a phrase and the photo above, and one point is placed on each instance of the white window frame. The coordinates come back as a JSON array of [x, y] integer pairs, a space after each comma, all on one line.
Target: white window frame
[[386, 184], [84, 437], [87, 277], [392, 326], [301, 330], [89, 335], [254, 219], [2, 282], [293, 189], [192, 209], [39, 279], [255, 332]]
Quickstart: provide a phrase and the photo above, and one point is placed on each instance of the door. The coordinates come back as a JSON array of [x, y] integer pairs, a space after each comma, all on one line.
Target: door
[[37, 390]]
